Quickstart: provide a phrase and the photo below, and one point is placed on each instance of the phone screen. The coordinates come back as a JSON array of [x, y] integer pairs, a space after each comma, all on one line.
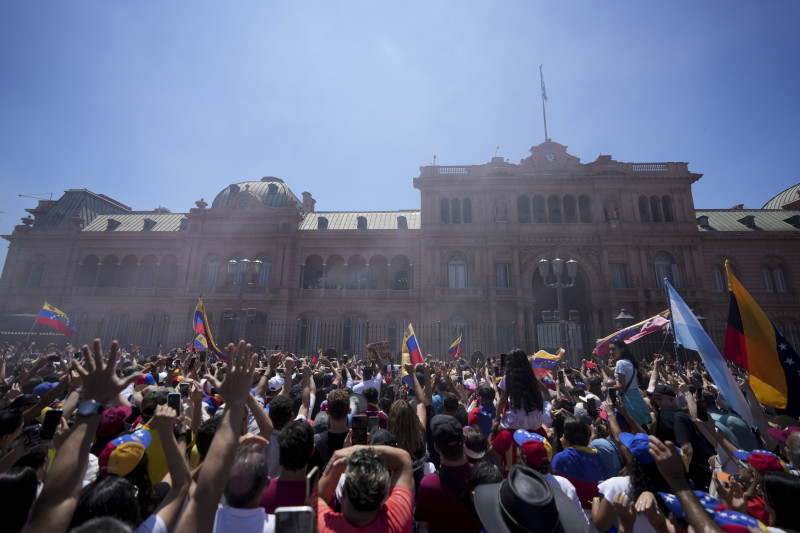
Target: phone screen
[[612, 395], [294, 519], [591, 408], [50, 423], [359, 426], [561, 376], [373, 424], [174, 401]]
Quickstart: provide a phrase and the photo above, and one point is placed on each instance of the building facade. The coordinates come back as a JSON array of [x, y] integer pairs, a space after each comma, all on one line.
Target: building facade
[[272, 269]]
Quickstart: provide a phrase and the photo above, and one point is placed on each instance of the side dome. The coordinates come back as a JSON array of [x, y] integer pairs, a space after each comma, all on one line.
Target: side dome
[[270, 190], [789, 195]]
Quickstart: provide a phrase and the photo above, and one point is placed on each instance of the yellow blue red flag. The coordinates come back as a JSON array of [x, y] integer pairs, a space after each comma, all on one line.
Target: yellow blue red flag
[[58, 320], [201, 327], [455, 348]]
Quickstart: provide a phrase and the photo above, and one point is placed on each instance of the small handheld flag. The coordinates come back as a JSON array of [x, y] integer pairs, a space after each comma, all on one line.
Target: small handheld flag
[[543, 362], [455, 348], [411, 353], [201, 327], [56, 319], [317, 355]]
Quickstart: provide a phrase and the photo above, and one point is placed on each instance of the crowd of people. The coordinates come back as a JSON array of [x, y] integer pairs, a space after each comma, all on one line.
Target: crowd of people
[[117, 441]]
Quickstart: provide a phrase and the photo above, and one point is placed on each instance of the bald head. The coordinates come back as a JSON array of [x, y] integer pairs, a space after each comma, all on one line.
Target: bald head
[[793, 448]]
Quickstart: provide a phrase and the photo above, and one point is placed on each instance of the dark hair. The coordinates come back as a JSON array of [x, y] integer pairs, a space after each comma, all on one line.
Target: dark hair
[[18, 487], [367, 372], [385, 404], [338, 404], [521, 387], [371, 394], [453, 452], [34, 458], [10, 420], [450, 402], [281, 411], [295, 444], [475, 441], [576, 431], [140, 477], [248, 477], [781, 492], [30, 384], [107, 496], [483, 473], [102, 524], [205, 434], [486, 392], [594, 381], [625, 353], [366, 481], [647, 478]]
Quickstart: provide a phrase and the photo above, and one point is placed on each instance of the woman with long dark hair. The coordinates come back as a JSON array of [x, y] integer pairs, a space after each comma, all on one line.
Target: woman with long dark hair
[[521, 392], [626, 374]]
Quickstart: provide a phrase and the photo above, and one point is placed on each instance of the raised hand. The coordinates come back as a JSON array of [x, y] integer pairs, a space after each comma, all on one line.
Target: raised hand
[[100, 381], [235, 387]]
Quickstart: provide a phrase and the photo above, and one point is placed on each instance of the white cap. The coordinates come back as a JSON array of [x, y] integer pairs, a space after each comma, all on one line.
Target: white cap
[[275, 383]]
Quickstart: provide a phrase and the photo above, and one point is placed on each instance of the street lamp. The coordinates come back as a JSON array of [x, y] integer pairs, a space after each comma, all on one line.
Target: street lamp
[[559, 286], [238, 269]]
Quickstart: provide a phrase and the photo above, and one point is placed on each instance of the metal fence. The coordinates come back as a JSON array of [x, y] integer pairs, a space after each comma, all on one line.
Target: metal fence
[[348, 336]]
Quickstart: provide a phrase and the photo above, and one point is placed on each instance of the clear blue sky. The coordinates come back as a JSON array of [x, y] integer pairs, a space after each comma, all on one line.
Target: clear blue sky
[[161, 103]]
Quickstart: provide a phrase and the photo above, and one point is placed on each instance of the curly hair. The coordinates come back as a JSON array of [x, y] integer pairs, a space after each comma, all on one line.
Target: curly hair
[[523, 391], [366, 480], [404, 426], [647, 478]]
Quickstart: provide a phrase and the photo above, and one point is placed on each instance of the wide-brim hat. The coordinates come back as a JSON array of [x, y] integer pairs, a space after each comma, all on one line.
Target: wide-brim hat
[[526, 501]]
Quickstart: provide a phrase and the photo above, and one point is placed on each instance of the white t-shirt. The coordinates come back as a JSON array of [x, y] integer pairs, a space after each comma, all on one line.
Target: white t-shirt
[[515, 418], [375, 382], [610, 487], [568, 489], [232, 519], [623, 372], [153, 524]]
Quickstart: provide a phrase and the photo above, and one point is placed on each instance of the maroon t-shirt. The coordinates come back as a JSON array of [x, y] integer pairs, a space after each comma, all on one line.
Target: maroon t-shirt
[[435, 496], [283, 494]]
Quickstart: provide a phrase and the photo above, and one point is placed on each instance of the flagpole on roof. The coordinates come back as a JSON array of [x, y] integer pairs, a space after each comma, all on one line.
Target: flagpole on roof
[[672, 325], [544, 99]]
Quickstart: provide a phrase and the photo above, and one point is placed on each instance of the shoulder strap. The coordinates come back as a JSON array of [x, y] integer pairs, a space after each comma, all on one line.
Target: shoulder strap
[[462, 493], [322, 447], [633, 376]]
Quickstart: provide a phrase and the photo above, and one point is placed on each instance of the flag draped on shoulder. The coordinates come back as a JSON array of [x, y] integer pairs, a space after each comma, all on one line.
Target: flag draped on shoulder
[[411, 353], [455, 348], [56, 319], [690, 334], [753, 343], [543, 362], [634, 332], [201, 327]]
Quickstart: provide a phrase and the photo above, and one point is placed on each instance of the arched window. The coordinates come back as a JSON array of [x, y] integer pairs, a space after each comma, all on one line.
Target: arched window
[[644, 214], [585, 209], [402, 222], [211, 274], [780, 279], [313, 272], [570, 210], [719, 279], [466, 207], [665, 268], [356, 273], [539, 214], [444, 207], [107, 277], [766, 271], [266, 272], [523, 209], [456, 211], [88, 272], [401, 273], [554, 209], [655, 210], [167, 272], [147, 272], [362, 222], [322, 223], [666, 207], [127, 272], [457, 272], [36, 275]]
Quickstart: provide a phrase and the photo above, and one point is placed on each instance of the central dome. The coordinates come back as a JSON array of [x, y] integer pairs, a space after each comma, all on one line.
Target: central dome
[[271, 190]]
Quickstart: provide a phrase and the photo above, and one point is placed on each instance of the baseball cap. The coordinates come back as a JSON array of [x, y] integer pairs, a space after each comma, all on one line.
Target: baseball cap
[[112, 420], [275, 383], [122, 454], [151, 399], [761, 460], [782, 434], [662, 389], [383, 437], [537, 449], [446, 430], [43, 388], [639, 445]]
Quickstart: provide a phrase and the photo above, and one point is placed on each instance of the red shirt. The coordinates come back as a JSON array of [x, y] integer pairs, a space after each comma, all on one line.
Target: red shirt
[[439, 506], [283, 494], [505, 446], [395, 516]]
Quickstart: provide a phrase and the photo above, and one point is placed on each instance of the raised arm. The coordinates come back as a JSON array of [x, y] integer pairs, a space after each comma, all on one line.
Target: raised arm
[[201, 510], [170, 507]]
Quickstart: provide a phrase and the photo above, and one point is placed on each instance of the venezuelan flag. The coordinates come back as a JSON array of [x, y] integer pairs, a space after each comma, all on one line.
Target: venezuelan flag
[[753, 343], [634, 332], [455, 348], [411, 353], [201, 327], [200, 343], [58, 320], [543, 362], [316, 356]]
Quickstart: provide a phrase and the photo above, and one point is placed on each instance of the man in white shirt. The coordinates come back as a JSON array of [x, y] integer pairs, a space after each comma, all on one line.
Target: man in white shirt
[[243, 512], [369, 381]]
